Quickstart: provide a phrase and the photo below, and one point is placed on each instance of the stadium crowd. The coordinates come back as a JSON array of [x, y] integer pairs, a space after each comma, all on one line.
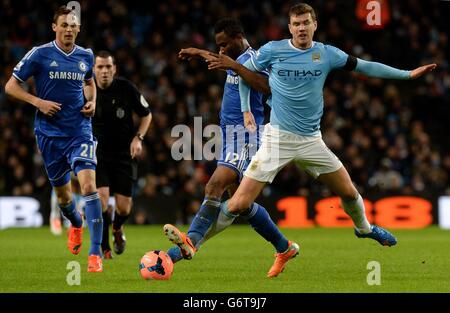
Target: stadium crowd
[[392, 136]]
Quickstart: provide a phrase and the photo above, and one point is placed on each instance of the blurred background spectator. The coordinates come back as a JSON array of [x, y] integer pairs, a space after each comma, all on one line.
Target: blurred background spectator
[[392, 136]]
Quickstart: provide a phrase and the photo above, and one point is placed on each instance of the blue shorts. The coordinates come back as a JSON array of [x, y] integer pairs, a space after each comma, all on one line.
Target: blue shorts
[[238, 147], [64, 154]]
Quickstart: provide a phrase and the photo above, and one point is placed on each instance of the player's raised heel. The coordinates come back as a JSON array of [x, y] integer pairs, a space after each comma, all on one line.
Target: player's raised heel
[[95, 264], [181, 240], [379, 234], [282, 258], [75, 239]]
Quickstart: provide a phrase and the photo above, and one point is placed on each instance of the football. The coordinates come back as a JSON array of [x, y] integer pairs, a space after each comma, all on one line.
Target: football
[[156, 265]]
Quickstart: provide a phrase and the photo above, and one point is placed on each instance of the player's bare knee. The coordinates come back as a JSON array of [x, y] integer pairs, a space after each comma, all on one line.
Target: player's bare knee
[[124, 211], [123, 207], [64, 198], [88, 187], [65, 201]]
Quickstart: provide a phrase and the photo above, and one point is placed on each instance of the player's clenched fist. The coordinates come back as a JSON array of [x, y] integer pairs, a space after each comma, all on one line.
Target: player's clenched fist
[[88, 109]]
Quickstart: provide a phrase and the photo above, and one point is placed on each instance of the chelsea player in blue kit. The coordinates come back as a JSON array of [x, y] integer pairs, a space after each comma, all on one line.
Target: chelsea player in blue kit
[[63, 75], [298, 68], [237, 149]]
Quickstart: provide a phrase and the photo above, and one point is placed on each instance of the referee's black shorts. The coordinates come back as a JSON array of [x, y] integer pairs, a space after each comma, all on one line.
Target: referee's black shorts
[[118, 174]]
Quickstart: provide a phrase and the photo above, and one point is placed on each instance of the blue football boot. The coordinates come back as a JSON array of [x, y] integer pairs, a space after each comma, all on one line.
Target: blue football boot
[[379, 234]]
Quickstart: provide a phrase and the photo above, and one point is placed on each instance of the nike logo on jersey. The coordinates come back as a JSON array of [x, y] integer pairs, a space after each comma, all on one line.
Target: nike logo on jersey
[[53, 64], [282, 59]]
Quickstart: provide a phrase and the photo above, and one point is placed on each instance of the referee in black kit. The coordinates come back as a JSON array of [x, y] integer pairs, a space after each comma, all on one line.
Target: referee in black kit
[[118, 145]]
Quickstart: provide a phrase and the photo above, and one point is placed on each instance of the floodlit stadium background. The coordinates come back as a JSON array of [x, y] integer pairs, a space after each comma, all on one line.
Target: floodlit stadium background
[[393, 136]]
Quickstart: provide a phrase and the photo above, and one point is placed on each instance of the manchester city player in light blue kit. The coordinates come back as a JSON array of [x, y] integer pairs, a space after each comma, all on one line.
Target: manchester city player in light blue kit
[[63, 75], [238, 147], [298, 68]]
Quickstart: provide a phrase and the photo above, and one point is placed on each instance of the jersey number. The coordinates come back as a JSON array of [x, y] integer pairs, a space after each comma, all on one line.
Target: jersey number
[[84, 152], [232, 158]]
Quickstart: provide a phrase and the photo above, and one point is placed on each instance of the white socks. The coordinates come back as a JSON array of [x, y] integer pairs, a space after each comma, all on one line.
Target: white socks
[[224, 220], [355, 209]]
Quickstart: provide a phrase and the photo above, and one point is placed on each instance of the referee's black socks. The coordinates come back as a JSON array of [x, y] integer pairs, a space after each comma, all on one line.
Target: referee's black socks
[[106, 222], [119, 220]]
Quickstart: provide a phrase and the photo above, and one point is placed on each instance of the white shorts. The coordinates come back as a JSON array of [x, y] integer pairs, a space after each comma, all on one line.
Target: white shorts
[[280, 147]]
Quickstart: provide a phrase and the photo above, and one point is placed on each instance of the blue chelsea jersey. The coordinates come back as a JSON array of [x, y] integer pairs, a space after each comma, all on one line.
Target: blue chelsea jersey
[[230, 113], [59, 77], [296, 78]]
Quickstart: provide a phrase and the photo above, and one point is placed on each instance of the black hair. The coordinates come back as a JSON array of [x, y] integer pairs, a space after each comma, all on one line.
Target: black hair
[[230, 26], [105, 54]]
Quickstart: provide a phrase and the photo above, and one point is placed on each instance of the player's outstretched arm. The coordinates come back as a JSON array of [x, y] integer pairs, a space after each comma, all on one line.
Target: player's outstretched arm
[[256, 81], [422, 70], [380, 70], [190, 53], [14, 89]]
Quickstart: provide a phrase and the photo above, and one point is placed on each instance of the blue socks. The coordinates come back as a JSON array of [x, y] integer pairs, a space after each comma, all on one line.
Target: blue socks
[[263, 225], [203, 220], [71, 213], [93, 211], [257, 217], [212, 211], [175, 254]]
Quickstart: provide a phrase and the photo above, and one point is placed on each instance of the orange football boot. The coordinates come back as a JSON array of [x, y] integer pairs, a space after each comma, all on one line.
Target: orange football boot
[[181, 240], [95, 264], [75, 239], [282, 258]]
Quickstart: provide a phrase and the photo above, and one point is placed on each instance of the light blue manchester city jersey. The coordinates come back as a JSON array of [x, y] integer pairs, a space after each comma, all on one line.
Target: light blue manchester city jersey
[[296, 78]]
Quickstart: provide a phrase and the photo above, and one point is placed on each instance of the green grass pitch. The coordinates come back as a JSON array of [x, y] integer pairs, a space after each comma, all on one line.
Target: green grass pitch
[[237, 260]]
